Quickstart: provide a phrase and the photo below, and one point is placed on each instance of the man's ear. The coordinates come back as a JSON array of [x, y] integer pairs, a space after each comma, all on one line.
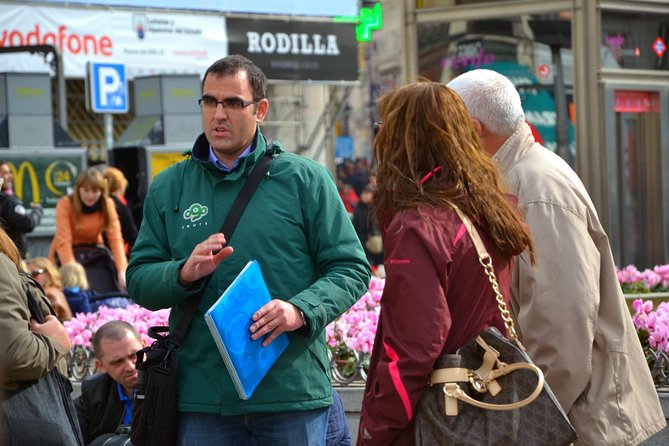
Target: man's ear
[[100, 366], [478, 126], [261, 112]]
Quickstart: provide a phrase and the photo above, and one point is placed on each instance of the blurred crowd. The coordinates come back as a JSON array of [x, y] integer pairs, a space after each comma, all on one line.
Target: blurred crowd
[[356, 184], [94, 232]]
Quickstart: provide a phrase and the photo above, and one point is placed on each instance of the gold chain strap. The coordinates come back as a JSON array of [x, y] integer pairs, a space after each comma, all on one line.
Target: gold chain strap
[[486, 262]]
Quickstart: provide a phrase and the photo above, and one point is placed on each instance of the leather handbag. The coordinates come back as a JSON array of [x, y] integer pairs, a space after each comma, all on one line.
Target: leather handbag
[[490, 392], [39, 412], [155, 410]]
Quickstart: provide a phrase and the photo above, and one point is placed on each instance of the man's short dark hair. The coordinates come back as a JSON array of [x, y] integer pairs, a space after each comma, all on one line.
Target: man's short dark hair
[[114, 331], [233, 64]]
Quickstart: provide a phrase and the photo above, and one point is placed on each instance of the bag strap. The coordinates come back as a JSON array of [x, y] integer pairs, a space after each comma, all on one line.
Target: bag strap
[[452, 391], [486, 262], [227, 228], [35, 310]]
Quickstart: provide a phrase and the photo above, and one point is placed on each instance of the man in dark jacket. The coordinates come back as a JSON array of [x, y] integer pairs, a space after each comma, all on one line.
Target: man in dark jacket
[[105, 402], [14, 217]]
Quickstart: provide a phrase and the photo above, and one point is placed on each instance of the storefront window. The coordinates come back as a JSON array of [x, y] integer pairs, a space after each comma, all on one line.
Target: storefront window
[[533, 51], [635, 41]]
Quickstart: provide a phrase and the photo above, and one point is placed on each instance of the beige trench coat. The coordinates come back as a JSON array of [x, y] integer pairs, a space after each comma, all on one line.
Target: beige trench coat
[[569, 307]]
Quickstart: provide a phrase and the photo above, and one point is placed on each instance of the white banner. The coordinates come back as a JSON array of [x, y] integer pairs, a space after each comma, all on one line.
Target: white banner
[[290, 7], [146, 42]]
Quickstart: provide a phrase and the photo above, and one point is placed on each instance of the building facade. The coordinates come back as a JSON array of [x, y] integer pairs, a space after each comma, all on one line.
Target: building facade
[[594, 79]]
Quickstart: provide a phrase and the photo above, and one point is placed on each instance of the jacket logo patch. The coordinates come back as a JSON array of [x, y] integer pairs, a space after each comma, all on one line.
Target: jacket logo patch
[[195, 212], [399, 261]]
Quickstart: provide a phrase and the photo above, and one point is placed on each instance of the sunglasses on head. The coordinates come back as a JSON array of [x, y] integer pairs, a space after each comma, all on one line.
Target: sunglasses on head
[[37, 272]]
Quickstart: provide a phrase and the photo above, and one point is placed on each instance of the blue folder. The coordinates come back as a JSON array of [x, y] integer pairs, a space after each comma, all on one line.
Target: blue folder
[[229, 320]]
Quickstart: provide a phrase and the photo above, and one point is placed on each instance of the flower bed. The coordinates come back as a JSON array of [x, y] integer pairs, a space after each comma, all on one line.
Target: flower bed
[[654, 280], [356, 328], [350, 337], [82, 326], [653, 329]]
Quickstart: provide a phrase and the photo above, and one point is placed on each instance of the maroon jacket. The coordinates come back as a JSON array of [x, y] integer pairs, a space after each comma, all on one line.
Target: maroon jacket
[[436, 298]]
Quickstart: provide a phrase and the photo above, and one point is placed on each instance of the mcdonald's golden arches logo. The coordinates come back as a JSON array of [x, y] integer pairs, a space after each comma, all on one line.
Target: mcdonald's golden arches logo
[[59, 176], [18, 180]]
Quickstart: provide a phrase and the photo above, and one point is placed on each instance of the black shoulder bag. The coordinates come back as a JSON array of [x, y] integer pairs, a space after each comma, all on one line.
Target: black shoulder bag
[[156, 405], [40, 411]]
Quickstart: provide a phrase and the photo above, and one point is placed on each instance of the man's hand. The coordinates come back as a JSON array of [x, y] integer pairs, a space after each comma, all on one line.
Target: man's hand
[[274, 318], [54, 329], [204, 259]]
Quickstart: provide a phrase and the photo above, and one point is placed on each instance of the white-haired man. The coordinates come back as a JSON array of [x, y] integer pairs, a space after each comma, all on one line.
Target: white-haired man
[[569, 306]]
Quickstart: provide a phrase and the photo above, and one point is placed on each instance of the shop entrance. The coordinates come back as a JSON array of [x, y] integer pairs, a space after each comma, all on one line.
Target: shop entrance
[[637, 153]]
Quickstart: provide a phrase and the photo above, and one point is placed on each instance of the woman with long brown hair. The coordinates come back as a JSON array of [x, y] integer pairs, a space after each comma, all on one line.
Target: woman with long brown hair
[[82, 217], [31, 351], [436, 296]]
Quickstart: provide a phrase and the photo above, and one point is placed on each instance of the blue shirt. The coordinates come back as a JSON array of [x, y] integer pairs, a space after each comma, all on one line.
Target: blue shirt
[[213, 159], [125, 399]]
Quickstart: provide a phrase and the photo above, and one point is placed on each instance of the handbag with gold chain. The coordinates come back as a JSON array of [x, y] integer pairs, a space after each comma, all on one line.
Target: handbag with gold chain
[[490, 392]]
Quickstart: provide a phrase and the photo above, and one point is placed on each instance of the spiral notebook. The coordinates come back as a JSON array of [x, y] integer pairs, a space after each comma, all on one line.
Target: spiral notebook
[[229, 320]]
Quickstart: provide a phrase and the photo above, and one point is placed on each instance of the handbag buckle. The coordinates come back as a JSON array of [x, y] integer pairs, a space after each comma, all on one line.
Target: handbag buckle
[[477, 382]]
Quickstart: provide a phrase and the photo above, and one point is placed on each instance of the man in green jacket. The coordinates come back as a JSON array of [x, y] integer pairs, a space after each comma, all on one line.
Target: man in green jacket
[[295, 226]]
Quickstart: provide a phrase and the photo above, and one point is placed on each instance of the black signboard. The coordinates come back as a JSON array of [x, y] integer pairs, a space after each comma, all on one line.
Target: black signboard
[[292, 50]]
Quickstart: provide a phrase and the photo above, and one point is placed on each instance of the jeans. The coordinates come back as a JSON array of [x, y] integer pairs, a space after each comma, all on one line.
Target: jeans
[[338, 433], [299, 428]]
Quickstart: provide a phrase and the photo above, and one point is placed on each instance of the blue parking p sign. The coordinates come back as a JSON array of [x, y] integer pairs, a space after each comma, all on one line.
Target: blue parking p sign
[[108, 91]]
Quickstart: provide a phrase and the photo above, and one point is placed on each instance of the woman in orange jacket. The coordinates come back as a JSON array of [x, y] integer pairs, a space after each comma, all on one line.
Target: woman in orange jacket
[[83, 216]]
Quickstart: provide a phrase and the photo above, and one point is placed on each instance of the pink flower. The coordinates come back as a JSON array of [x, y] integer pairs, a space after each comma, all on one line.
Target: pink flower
[[648, 306], [81, 327], [629, 274], [356, 328]]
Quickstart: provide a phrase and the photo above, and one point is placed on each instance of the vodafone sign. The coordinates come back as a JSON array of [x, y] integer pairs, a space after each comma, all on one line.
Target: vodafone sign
[[145, 42], [60, 38]]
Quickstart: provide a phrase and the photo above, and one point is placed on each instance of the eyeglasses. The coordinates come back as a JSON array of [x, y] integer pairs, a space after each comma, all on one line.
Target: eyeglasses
[[210, 103], [377, 126], [37, 272]]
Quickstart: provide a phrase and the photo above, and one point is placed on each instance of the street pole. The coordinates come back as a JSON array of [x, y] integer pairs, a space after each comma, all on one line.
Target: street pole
[[109, 132], [561, 109]]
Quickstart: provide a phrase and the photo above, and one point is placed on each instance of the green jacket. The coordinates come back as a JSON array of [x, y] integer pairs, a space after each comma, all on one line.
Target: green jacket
[[295, 226]]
